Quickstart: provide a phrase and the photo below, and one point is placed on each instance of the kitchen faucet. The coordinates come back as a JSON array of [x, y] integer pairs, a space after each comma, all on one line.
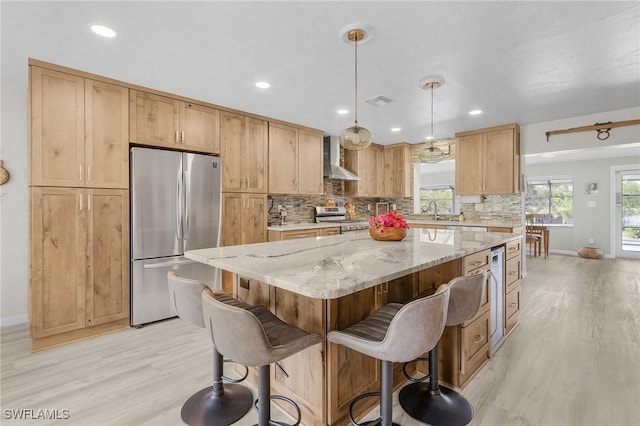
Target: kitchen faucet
[[435, 209]]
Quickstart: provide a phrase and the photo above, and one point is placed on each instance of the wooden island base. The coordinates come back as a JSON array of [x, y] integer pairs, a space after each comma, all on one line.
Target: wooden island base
[[325, 378]]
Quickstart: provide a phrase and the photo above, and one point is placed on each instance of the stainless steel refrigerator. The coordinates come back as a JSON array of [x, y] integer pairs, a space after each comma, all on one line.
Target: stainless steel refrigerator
[[175, 206]]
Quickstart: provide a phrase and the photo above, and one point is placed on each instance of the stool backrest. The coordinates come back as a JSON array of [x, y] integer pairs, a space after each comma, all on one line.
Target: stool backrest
[[465, 298], [185, 298], [242, 337], [417, 327]]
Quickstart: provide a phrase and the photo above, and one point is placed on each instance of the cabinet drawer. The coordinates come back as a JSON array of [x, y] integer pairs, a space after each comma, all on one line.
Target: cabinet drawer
[[292, 235], [512, 274], [475, 261], [331, 231], [513, 248], [512, 309], [474, 345]]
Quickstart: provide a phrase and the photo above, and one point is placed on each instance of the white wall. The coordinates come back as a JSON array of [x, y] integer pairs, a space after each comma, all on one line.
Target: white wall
[[588, 222]]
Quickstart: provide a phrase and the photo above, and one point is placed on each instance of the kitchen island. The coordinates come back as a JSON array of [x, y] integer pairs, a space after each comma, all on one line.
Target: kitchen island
[[327, 283]]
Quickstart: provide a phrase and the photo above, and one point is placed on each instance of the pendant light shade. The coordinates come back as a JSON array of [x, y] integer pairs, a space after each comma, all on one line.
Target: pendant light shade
[[355, 137], [431, 154]]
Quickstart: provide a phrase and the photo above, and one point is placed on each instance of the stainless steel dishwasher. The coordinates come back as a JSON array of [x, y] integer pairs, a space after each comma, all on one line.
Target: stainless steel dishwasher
[[497, 298]]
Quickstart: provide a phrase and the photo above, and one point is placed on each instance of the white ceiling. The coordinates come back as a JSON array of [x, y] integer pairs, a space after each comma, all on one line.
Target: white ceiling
[[525, 62]]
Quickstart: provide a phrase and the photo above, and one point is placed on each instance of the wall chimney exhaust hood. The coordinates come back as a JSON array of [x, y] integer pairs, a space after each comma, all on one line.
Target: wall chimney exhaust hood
[[332, 168]]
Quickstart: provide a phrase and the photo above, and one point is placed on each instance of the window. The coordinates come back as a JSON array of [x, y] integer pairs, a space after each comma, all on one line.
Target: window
[[441, 195], [552, 197]]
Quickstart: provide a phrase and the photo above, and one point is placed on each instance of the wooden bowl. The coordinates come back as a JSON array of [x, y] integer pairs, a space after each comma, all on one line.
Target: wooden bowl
[[388, 234]]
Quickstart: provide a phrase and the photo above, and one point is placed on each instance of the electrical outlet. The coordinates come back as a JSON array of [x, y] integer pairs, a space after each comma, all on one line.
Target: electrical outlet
[[591, 203], [393, 206], [592, 240], [369, 207]]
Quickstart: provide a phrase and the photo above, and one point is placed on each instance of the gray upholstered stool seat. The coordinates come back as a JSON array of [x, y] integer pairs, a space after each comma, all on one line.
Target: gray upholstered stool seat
[[395, 333], [436, 404], [253, 336], [217, 405]]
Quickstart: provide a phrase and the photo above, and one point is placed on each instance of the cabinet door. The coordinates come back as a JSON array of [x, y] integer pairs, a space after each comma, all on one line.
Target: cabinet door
[[399, 173], [232, 218], [232, 139], [283, 159], [380, 172], [107, 135], [57, 260], [199, 128], [498, 168], [153, 120], [107, 288], [469, 176], [57, 128], [310, 163], [301, 376], [474, 346], [254, 222], [388, 173], [355, 162], [254, 156]]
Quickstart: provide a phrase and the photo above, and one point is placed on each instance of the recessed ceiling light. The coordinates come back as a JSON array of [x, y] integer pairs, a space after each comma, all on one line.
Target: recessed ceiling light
[[475, 112], [396, 129], [430, 138], [263, 85], [343, 111], [103, 31]]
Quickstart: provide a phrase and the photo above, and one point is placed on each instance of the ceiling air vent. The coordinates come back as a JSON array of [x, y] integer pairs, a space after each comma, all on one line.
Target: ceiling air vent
[[378, 101]]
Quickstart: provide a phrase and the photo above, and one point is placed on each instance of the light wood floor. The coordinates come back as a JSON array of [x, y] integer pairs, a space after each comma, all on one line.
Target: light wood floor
[[574, 360]]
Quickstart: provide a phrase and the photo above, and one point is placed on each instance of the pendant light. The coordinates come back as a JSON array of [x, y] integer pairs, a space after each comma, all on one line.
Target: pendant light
[[431, 154], [355, 137]]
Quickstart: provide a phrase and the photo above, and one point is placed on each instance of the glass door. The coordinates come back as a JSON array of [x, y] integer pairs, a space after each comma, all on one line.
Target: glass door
[[627, 213]]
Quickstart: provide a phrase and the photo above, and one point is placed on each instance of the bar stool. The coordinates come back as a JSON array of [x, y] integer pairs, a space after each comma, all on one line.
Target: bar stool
[[255, 337], [433, 403], [217, 405], [395, 333]]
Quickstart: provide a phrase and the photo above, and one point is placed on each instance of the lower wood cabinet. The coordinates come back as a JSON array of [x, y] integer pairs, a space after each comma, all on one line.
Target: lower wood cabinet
[[512, 285], [244, 221], [79, 263], [303, 233]]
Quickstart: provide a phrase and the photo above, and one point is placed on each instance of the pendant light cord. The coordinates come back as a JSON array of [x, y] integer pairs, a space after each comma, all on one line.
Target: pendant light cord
[[432, 135], [356, 79]]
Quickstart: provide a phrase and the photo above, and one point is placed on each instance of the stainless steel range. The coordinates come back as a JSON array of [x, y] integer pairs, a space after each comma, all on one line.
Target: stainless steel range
[[338, 215]]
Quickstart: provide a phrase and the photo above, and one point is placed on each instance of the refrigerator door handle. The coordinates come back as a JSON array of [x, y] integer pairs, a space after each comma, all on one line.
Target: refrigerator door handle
[[168, 263], [187, 192], [178, 206]]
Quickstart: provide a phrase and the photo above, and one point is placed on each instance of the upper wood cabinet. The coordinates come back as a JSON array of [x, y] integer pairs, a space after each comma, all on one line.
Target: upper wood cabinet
[[79, 259], [384, 171], [166, 122], [488, 161], [243, 149], [364, 164], [79, 131], [399, 182], [295, 160]]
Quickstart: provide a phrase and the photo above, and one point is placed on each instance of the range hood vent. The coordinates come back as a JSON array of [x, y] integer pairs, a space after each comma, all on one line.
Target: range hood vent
[[332, 168]]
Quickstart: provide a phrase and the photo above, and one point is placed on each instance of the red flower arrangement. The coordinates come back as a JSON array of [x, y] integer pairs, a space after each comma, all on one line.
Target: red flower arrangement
[[388, 220]]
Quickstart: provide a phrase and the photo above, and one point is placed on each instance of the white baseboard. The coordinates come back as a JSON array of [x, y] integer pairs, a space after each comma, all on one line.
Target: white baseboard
[[18, 319]]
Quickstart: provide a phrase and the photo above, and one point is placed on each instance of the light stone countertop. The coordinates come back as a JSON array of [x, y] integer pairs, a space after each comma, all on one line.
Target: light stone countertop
[[335, 266], [301, 226]]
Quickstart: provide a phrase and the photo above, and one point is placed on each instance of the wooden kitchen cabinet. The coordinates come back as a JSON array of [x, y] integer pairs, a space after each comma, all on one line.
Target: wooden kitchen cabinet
[[366, 164], [295, 160], [79, 283], [398, 170], [244, 221], [79, 131], [512, 285], [243, 149], [302, 233], [166, 122], [488, 161]]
